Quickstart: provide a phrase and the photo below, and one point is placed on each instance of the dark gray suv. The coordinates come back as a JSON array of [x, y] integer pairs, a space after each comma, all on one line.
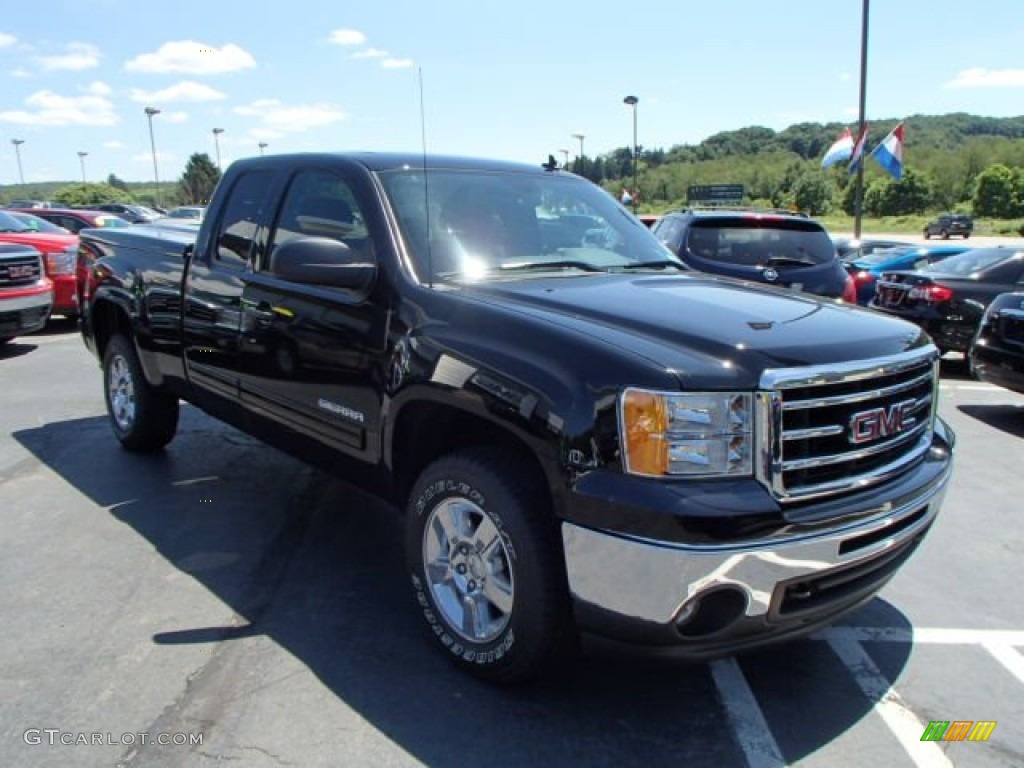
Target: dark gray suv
[[771, 247], [948, 224]]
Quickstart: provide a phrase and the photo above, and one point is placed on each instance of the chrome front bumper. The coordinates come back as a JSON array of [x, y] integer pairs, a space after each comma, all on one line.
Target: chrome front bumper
[[627, 588]]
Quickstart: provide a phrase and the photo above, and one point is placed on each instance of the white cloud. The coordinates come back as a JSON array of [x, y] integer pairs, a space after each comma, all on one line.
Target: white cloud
[[845, 77], [187, 90], [347, 37], [265, 134], [192, 58], [79, 56], [147, 157], [20, 72], [979, 77], [174, 117], [291, 118], [53, 109], [98, 88], [397, 63], [851, 111], [370, 53], [7, 40], [112, 145]]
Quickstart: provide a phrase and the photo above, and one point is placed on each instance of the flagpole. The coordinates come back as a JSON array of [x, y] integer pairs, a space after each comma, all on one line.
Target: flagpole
[[858, 195]]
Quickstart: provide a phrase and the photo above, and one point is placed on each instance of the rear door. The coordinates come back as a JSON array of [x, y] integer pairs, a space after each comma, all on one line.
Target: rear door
[[213, 291]]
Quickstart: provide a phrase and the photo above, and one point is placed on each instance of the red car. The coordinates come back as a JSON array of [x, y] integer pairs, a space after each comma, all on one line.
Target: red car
[[59, 260], [25, 292], [73, 219]]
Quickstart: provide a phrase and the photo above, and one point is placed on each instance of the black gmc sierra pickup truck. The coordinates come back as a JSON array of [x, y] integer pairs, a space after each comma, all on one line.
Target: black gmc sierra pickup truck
[[588, 438]]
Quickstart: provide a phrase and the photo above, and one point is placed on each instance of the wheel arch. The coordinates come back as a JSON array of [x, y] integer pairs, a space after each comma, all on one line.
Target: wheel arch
[[424, 430]]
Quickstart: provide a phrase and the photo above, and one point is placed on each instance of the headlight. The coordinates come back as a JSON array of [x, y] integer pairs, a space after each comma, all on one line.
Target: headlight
[[61, 262], [697, 434]]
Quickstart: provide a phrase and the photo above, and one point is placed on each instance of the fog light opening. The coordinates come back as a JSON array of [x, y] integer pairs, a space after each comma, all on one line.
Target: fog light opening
[[711, 612]]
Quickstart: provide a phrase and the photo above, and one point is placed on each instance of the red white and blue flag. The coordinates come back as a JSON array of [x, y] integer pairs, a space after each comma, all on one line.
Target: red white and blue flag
[[840, 149], [889, 153], [858, 149]]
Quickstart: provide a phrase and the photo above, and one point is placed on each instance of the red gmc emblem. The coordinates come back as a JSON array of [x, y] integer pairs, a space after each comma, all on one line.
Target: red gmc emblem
[[868, 426]]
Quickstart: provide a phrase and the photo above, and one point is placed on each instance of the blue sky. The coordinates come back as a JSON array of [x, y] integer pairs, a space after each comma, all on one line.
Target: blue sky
[[513, 80]]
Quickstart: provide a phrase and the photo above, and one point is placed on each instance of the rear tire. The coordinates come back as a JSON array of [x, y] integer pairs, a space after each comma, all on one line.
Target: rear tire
[[927, 235], [143, 418], [486, 565], [944, 234]]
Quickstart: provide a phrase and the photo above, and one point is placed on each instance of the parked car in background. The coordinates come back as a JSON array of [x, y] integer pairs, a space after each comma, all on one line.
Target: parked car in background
[[767, 247], [865, 270], [191, 212], [136, 214], [850, 248], [26, 293], [948, 224], [76, 219], [29, 204], [948, 298], [36, 223], [997, 354], [59, 259]]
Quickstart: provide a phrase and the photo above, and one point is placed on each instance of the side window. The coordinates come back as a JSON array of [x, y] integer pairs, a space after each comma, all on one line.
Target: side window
[[246, 203], [321, 204]]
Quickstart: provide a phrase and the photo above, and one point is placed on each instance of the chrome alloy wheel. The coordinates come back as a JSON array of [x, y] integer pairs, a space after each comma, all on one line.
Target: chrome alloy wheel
[[468, 568], [121, 391]]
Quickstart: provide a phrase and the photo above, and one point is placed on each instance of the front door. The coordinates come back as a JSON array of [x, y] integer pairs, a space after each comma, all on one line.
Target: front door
[[311, 355]]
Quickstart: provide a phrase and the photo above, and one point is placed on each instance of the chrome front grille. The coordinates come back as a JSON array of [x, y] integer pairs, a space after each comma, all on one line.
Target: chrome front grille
[[832, 429], [20, 270]]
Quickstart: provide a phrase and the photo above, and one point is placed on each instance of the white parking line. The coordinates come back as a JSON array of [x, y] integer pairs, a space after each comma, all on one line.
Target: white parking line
[[745, 716], [1008, 656], [927, 635], [896, 714]]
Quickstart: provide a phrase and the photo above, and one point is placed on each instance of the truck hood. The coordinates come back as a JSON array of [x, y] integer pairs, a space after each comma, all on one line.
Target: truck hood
[[47, 242], [709, 328]]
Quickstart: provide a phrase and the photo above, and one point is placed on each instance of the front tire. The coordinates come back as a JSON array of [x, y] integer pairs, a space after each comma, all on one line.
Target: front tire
[[143, 418], [484, 557]]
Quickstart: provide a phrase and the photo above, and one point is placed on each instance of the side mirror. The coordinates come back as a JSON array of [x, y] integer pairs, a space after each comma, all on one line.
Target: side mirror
[[322, 261]]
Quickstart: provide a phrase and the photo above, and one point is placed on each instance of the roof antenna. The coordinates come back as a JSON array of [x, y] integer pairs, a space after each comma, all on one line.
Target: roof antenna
[[426, 185]]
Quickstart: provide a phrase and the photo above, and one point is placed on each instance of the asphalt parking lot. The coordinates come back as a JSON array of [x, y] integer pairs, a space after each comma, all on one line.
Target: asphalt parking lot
[[222, 591]]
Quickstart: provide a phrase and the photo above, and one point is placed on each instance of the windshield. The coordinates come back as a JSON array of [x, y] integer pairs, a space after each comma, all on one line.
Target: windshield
[[758, 241], [483, 225], [970, 262], [10, 224], [37, 224]]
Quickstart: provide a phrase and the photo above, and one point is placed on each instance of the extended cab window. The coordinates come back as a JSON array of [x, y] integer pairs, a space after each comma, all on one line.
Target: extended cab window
[[246, 202], [321, 204]]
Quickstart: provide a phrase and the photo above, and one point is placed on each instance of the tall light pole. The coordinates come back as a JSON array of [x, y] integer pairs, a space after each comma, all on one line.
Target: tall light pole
[[579, 137], [150, 111], [632, 102], [858, 191], [216, 142], [81, 160], [262, 145], [565, 157], [17, 152]]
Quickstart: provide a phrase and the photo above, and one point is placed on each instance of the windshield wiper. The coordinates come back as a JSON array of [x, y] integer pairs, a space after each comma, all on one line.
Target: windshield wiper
[[522, 266], [777, 261], [660, 264]]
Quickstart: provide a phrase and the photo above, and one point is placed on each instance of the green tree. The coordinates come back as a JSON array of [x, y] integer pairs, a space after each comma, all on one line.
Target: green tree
[[812, 193], [90, 194], [200, 177], [912, 194], [116, 183], [996, 192]]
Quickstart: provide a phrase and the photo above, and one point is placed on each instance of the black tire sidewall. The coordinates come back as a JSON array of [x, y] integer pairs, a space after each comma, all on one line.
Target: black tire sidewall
[[156, 415], [531, 631]]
